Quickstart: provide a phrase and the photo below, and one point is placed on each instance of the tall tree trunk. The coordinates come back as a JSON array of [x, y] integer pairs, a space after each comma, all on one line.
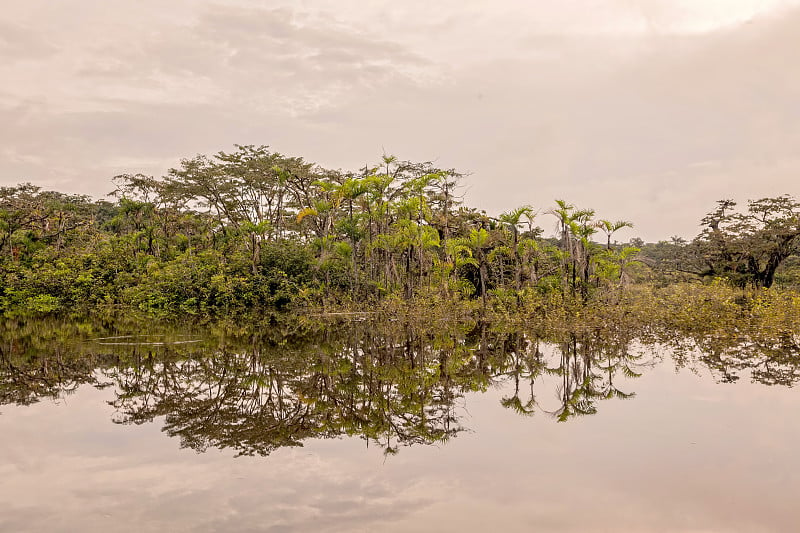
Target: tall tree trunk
[[483, 275], [256, 247]]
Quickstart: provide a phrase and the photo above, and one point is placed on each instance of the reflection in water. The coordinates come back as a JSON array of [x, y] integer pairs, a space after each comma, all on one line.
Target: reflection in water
[[393, 384], [770, 360]]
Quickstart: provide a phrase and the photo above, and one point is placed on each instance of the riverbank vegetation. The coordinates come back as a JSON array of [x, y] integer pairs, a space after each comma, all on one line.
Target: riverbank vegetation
[[252, 230]]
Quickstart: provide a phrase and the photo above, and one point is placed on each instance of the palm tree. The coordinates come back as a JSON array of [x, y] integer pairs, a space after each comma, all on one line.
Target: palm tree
[[564, 215], [456, 255], [609, 228], [512, 220], [478, 243]]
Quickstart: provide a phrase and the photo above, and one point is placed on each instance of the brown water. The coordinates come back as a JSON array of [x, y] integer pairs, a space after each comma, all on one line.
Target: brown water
[[369, 427]]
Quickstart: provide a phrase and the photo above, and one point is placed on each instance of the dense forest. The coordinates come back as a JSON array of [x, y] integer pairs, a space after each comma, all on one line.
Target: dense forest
[[253, 229]]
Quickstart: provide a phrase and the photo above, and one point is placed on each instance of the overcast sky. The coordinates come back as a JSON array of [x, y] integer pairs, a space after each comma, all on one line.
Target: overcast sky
[[646, 110]]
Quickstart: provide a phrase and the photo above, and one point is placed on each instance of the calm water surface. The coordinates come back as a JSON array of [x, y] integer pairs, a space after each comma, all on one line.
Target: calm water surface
[[361, 426]]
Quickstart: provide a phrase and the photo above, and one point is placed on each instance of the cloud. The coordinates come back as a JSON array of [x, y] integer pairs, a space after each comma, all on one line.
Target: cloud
[[223, 75], [610, 104], [20, 43]]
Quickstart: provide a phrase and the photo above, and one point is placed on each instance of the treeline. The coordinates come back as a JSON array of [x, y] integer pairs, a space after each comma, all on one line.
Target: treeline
[[256, 229]]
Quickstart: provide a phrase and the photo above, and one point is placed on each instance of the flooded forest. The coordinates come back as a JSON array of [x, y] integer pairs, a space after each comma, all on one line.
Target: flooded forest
[[254, 342]]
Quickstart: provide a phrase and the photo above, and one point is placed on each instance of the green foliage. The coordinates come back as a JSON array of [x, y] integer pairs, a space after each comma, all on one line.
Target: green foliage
[[747, 247], [42, 304], [254, 229]]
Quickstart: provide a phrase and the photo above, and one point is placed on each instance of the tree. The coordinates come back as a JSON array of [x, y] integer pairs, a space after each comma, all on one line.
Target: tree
[[246, 190], [478, 243], [747, 247], [30, 215], [511, 220], [609, 228]]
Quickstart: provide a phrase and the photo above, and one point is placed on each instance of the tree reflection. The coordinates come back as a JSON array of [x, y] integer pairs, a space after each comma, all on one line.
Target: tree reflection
[[391, 383], [581, 366], [385, 388], [766, 359], [38, 361]]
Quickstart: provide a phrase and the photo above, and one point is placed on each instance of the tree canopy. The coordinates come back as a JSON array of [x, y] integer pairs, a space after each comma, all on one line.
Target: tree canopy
[[253, 228]]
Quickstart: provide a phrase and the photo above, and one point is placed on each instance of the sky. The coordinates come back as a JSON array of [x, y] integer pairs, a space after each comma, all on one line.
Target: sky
[[644, 110]]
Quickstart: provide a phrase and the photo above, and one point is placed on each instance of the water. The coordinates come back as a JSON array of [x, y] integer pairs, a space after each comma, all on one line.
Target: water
[[361, 426]]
